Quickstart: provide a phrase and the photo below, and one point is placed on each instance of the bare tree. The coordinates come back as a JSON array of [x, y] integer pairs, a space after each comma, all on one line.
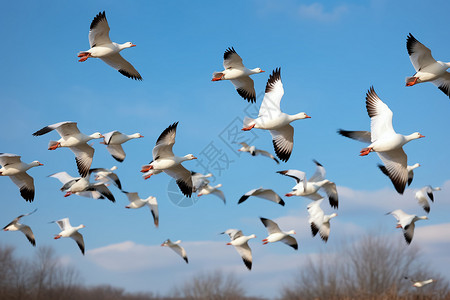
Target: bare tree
[[372, 268], [211, 286]]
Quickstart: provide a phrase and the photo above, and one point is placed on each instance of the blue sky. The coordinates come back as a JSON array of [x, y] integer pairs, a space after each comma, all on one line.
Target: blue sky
[[329, 54]]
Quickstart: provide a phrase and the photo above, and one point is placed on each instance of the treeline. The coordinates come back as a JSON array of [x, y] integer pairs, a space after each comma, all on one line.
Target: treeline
[[371, 268]]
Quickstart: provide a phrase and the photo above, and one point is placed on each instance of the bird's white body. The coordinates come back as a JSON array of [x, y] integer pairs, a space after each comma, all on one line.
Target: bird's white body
[[17, 168]]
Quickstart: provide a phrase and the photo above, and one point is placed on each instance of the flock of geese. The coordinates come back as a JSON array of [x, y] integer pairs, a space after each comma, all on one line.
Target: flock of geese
[[381, 139]]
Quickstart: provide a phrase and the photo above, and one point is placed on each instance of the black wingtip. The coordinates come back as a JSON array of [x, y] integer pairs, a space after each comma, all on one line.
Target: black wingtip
[[314, 229], [27, 194], [410, 41], [317, 163], [185, 188], [166, 131], [186, 259], [273, 78], [228, 52], [282, 203], [247, 263], [42, 131], [295, 246], [119, 159], [97, 19], [282, 155], [242, 199], [249, 96]]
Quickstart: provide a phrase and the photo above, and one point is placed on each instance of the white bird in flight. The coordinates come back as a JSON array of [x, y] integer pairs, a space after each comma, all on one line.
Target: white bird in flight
[[406, 222], [275, 234], [175, 246], [68, 231], [14, 225], [137, 202], [254, 151], [114, 140], [240, 243]]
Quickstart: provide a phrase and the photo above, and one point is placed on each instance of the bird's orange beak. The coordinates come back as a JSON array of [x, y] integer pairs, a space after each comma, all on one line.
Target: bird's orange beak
[[133, 45], [307, 117], [421, 136], [41, 164]]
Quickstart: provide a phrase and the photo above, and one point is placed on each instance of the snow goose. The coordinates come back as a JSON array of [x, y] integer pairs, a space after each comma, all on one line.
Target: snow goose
[[427, 68], [175, 246], [406, 222], [267, 194], [68, 231], [106, 175], [208, 189], [102, 47], [238, 74], [82, 187], [318, 221], [420, 284], [199, 180], [164, 160], [309, 188], [423, 194], [137, 202], [410, 170], [240, 243], [114, 140], [253, 151], [25, 229], [384, 140], [270, 117], [275, 234], [13, 167], [76, 141]]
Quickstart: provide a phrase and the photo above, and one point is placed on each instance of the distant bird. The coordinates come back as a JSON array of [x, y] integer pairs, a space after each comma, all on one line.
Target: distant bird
[[114, 140], [208, 189], [270, 117], [240, 243], [177, 248], [238, 74], [410, 170], [406, 222], [275, 234], [103, 48], [384, 140], [309, 188], [137, 202], [253, 151], [76, 141], [267, 194], [318, 221], [106, 175], [199, 180], [68, 231], [427, 68], [420, 284], [423, 194], [25, 229], [82, 187], [13, 167], [164, 160]]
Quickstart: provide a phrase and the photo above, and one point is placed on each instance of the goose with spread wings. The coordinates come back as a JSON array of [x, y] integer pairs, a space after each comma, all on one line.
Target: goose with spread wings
[[406, 222], [164, 160], [254, 151], [427, 68], [270, 117], [68, 231], [238, 74], [267, 194], [424, 194], [102, 47], [276, 234], [114, 140], [106, 175], [16, 169], [14, 225], [137, 202], [309, 188], [76, 141], [319, 221], [240, 243], [175, 246], [384, 140]]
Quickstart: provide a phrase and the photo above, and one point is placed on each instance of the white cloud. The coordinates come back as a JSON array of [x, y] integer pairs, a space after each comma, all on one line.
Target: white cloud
[[316, 11]]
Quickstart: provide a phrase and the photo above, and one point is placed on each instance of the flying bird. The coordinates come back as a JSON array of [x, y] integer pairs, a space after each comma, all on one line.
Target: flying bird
[[427, 68], [82, 187], [384, 140], [309, 188], [214, 190], [12, 166], [270, 117], [164, 160], [199, 180], [275, 234], [267, 194], [406, 222], [318, 221], [423, 194], [420, 284], [68, 231], [175, 246], [106, 175], [103, 48], [114, 140], [76, 141], [254, 152], [238, 74], [14, 225], [240, 243], [137, 202]]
